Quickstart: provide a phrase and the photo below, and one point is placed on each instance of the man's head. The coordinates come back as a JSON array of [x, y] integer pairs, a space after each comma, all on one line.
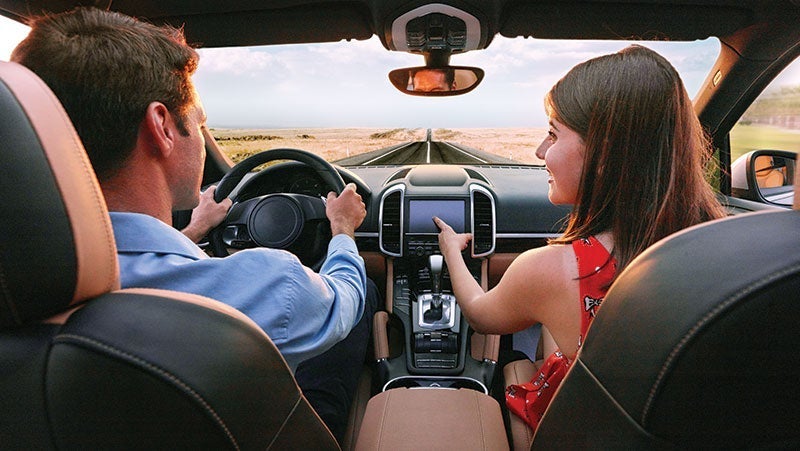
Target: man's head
[[430, 80], [106, 69]]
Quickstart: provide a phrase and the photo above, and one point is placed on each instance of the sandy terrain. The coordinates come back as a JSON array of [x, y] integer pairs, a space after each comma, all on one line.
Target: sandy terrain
[[332, 144]]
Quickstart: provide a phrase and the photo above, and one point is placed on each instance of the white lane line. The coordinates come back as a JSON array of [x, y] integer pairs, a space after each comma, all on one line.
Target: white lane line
[[400, 146], [428, 157], [466, 153]]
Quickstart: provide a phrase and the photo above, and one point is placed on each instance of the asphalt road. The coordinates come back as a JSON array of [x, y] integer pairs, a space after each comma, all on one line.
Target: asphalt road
[[424, 152]]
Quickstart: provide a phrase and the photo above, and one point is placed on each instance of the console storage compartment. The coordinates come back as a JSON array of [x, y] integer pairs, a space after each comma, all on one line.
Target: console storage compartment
[[432, 419]]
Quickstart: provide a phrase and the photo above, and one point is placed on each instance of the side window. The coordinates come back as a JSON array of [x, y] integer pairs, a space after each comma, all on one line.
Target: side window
[[766, 140]]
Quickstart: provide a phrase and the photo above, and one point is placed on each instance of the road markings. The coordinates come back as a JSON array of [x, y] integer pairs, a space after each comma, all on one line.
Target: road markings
[[454, 147], [383, 155]]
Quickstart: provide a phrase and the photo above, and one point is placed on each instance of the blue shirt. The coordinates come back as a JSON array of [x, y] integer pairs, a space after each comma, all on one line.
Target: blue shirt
[[304, 313]]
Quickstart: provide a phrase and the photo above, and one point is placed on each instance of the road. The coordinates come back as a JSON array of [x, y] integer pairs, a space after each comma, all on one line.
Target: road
[[424, 152]]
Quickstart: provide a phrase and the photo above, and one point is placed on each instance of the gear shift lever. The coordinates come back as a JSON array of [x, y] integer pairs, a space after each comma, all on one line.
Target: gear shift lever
[[434, 313], [435, 263]]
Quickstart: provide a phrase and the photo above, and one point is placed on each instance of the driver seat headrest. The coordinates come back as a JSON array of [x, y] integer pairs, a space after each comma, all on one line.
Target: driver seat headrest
[[57, 243], [84, 365]]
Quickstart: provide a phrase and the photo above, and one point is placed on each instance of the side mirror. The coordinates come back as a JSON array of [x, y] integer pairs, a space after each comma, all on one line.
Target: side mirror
[[765, 176], [436, 81]]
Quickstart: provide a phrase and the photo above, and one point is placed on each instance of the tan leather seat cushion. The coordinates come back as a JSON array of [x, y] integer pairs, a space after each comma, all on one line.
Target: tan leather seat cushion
[[519, 372], [432, 419], [357, 409]]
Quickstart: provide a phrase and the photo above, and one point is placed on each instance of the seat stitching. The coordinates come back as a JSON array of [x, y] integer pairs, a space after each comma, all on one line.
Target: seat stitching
[[285, 421], [699, 325], [480, 420], [161, 371], [7, 298], [516, 371], [358, 415], [528, 433], [383, 419], [527, 430]]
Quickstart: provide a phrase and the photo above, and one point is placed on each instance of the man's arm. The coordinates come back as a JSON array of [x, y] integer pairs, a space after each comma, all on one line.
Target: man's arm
[[343, 274]]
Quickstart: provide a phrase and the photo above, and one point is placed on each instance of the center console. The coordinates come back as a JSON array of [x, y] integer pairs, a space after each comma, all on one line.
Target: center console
[[436, 337], [426, 306]]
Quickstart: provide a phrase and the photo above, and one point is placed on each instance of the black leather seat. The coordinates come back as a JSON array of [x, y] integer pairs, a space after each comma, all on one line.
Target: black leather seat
[[695, 346], [84, 365]]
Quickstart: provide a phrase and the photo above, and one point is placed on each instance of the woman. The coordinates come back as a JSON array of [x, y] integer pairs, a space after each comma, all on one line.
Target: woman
[[626, 149]]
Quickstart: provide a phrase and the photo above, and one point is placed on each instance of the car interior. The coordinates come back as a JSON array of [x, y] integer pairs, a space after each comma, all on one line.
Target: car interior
[[693, 347]]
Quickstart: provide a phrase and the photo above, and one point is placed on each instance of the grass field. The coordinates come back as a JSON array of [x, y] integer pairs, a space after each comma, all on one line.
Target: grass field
[[745, 138]]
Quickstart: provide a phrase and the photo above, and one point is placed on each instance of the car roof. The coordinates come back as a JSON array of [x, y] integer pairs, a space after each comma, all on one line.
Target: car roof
[[211, 23]]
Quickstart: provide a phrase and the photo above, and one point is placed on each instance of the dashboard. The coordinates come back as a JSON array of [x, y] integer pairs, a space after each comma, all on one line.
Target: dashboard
[[523, 211]]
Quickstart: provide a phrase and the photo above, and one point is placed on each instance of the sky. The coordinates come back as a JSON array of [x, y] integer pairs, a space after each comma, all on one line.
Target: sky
[[346, 84]]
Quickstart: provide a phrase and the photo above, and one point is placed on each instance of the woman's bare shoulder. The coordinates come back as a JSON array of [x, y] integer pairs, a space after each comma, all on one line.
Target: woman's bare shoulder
[[551, 262], [537, 284]]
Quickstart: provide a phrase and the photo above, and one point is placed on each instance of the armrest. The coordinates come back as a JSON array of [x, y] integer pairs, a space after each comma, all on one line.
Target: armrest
[[380, 336], [432, 419], [487, 347]]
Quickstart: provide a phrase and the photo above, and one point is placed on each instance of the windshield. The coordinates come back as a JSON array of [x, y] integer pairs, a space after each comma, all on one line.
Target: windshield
[[336, 99]]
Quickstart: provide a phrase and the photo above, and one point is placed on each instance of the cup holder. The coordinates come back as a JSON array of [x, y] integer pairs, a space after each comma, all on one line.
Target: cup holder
[[453, 383]]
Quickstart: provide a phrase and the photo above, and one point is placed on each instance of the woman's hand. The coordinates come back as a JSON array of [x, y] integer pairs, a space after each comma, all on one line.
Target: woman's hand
[[451, 243]]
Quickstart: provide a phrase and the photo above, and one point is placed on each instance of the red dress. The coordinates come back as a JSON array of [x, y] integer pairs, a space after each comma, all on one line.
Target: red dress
[[596, 270]]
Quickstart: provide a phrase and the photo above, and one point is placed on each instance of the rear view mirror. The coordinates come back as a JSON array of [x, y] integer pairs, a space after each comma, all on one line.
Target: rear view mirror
[[765, 176], [436, 81]]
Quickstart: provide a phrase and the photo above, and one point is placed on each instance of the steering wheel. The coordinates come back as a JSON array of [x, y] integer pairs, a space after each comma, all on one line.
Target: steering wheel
[[294, 222]]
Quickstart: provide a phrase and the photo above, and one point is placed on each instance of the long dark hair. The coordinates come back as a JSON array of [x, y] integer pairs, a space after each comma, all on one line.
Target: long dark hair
[[643, 174]]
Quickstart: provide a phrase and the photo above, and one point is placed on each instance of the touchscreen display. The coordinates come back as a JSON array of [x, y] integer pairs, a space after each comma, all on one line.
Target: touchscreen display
[[420, 213]]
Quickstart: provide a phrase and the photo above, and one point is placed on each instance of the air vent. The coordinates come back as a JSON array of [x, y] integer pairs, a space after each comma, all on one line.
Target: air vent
[[483, 221], [391, 221]]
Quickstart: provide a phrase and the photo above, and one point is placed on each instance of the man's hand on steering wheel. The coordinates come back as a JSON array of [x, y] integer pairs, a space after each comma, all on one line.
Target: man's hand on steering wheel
[[346, 211], [206, 215], [298, 223]]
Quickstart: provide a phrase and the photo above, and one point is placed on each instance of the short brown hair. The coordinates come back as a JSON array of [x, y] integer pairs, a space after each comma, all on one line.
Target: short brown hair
[[106, 68], [643, 174]]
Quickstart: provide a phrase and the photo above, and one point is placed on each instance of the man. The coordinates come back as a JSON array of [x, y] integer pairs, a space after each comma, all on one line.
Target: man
[[431, 80], [127, 87]]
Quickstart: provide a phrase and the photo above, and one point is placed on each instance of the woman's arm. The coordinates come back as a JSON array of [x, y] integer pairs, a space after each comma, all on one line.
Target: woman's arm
[[528, 292]]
